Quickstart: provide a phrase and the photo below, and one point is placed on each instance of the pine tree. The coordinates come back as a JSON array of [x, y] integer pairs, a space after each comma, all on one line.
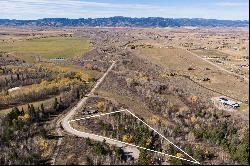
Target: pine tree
[[56, 105], [22, 111], [13, 115], [42, 108], [78, 94], [18, 76], [11, 78], [6, 81], [60, 100], [31, 112]]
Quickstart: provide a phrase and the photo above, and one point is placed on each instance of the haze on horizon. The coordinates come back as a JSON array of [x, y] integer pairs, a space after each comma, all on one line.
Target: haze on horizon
[[37, 9]]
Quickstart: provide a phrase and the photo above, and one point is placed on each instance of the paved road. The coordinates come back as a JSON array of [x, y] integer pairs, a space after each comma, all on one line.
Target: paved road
[[219, 67], [133, 151]]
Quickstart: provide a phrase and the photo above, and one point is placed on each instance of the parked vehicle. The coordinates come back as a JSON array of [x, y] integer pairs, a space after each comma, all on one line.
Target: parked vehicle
[[228, 102]]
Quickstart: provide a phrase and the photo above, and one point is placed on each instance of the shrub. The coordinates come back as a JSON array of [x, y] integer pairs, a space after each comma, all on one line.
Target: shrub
[[198, 132], [100, 150]]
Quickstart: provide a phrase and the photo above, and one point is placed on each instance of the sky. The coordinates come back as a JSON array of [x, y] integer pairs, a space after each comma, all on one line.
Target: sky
[[37, 9]]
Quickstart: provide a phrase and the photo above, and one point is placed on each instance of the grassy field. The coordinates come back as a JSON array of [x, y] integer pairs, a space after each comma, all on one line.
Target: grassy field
[[53, 47], [244, 107]]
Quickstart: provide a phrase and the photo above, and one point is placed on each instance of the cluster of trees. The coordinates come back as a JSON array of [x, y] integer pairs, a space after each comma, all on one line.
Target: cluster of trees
[[91, 152], [144, 158], [21, 127], [14, 76], [18, 137], [41, 91], [127, 128], [226, 136], [17, 119], [38, 82], [198, 113], [103, 149], [6, 59]]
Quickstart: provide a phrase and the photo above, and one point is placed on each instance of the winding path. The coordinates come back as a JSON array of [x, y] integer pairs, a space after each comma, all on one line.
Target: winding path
[[133, 151]]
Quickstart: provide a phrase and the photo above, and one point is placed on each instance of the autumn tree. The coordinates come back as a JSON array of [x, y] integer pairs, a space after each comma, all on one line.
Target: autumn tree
[[127, 138], [100, 105]]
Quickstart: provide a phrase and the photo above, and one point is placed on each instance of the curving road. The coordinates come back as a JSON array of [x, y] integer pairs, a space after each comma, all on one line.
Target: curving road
[[133, 151], [129, 149]]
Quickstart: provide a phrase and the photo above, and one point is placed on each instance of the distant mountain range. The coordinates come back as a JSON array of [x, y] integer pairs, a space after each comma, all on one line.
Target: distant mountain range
[[126, 22]]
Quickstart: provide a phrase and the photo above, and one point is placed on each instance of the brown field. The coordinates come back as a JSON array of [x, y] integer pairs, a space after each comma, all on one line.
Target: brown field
[[230, 62], [134, 103], [179, 61], [211, 53]]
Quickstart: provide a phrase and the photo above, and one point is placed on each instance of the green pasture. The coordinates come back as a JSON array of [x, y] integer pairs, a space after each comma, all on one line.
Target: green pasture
[[53, 47]]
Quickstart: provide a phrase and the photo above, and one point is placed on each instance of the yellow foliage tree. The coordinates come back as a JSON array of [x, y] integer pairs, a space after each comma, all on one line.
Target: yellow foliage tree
[[100, 105], [24, 118], [155, 119], [149, 140], [89, 66], [179, 155], [127, 138], [43, 144], [193, 119], [39, 88], [193, 99]]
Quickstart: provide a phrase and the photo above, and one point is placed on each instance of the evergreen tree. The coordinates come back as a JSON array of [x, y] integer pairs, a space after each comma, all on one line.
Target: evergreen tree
[[42, 107], [6, 81], [56, 105], [78, 94], [18, 76], [88, 141], [32, 112], [13, 115], [17, 125], [61, 107], [119, 152], [22, 111], [11, 78], [143, 157], [60, 100]]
